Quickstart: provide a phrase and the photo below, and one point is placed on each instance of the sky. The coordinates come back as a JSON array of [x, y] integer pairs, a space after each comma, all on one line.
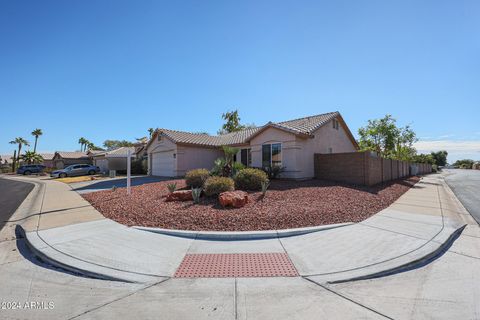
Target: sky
[[112, 69]]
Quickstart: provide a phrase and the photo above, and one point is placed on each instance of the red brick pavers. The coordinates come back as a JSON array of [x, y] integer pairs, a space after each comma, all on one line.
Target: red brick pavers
[[236, 265]]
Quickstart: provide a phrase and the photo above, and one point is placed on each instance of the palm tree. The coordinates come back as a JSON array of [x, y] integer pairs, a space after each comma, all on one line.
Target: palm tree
[[31, 157], [20, 141], [151, 131], [90, 145], [36, 133], [85, 145], [82, 141]]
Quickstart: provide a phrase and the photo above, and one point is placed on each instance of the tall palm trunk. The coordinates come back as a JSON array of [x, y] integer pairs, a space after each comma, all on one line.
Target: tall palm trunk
[[35, 146], [19, 153]]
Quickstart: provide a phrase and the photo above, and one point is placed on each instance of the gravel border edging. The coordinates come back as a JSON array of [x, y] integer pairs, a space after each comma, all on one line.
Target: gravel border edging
[[241, 235]]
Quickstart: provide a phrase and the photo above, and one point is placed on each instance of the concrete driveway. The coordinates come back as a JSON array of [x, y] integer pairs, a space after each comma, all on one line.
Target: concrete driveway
[[93, 186]]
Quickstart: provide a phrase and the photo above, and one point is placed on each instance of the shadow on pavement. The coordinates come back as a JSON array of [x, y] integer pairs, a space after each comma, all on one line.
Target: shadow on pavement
[[119, 183]]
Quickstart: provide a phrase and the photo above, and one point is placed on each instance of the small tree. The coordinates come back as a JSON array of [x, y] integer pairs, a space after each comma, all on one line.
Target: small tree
[[115, 144], [387, 139], [464, 163], [232, 122], [440, 157]]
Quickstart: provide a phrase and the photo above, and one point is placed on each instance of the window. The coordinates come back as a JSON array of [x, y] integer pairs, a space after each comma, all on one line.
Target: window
[[246, 157], [272, 155], [335, 124], [330, 150], [159, 137]]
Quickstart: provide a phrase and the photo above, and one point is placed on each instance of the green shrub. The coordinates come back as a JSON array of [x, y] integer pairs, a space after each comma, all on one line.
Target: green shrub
[[216, 185], [138, 166], [274, 172], [250, 179], [196, 178], [237, 167]]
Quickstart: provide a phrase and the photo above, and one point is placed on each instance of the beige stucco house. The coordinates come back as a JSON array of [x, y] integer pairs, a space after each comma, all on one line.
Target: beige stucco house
[[290, 144], [63, 159]]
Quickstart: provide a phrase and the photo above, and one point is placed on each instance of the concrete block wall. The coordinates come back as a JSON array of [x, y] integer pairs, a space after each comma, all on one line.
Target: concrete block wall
[[364, 168]]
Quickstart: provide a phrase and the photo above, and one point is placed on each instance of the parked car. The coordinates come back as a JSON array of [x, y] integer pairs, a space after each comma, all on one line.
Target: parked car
[[30, 168], [75, 170]]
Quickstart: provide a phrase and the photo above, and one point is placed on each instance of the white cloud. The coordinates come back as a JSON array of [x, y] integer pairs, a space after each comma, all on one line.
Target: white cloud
[[457, 149]]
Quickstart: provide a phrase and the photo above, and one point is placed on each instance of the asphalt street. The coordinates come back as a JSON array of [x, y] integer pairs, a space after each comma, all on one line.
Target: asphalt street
[[466, 186], [12, 194]]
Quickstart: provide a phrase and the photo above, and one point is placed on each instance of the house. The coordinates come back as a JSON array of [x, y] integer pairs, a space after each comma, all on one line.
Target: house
[[289, 144], [47, 159], [113, 160], [62, 159], [476, 165]]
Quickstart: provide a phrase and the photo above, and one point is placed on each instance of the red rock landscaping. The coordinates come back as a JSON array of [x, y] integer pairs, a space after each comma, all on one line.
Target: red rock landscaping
[[236, 199], [288, 204], [181, 195]]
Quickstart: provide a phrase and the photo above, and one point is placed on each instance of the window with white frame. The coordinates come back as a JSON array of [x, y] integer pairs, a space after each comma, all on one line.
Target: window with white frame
[[272, 155]]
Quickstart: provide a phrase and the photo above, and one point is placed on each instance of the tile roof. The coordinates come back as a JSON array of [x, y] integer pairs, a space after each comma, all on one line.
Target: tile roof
[[308, 125], [302, 126], [120, 152], [72, 154], [47, 156]]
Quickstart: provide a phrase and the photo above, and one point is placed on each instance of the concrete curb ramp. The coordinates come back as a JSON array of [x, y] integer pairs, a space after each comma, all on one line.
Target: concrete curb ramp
[[414, 230], [107, 250]]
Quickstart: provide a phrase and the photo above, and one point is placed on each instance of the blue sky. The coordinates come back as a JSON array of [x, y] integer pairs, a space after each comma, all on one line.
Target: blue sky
[[112, 69]]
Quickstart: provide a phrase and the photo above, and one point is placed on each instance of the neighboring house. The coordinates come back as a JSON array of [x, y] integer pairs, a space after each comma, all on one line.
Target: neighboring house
[[114, 159], [47, 159], [5, 162], [290, 144], [62, 159], [476, 165]]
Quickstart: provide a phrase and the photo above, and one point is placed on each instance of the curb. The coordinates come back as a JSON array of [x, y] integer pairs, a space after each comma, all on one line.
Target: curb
[[241, 235], [55, 263], [417, 263]]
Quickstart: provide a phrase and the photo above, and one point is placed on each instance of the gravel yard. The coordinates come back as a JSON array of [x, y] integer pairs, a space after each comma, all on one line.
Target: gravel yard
[[288, 204]]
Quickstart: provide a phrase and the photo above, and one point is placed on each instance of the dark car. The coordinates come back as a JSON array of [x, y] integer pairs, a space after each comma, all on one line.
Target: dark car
[[30, 168], [75, 170]]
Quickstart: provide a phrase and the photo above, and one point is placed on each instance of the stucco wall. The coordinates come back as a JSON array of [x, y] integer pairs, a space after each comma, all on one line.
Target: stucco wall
[[189, 158], [159, 146], [297, 152], [291, 147], [325, 137]]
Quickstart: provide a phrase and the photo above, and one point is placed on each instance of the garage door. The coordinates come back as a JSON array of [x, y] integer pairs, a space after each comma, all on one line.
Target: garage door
[[102, 164], [163, 164]]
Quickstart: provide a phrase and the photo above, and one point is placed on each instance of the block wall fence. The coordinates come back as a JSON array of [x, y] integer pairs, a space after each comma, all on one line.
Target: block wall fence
[[364, 168]]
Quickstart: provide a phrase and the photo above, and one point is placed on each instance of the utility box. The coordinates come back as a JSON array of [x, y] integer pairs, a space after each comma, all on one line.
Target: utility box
[[113, 173]]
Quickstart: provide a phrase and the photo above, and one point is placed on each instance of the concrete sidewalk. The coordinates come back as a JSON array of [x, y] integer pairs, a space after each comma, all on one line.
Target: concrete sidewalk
[[71, 234]]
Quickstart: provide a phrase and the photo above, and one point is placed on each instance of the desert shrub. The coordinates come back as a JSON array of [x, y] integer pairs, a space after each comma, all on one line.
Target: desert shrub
[[265, 185], [218, 166], [250, 179], [237, 167], [274, 172], [216, 185], [196, 193], [196, 178]]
